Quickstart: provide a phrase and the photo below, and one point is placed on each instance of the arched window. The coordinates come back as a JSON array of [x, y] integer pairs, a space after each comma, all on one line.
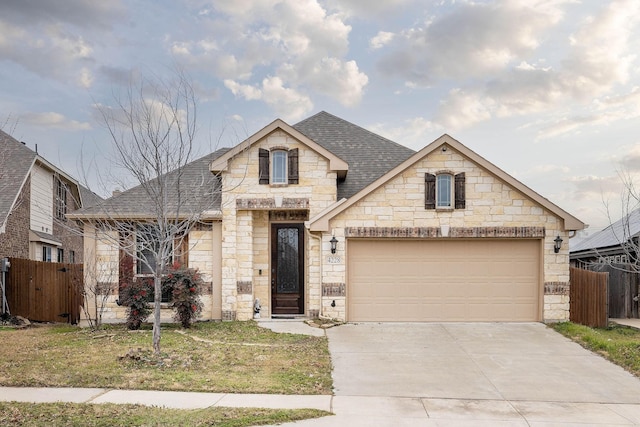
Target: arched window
[[278, 167], [444, 190]]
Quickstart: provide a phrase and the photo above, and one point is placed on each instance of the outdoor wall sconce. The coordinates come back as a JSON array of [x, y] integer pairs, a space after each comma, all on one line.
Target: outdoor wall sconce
[[334, 244], [557, 243]]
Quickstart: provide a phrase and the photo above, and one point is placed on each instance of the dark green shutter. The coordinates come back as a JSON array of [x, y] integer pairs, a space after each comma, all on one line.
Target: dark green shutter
[[263, 166], [459, 191], [292, 156], [429, 191]]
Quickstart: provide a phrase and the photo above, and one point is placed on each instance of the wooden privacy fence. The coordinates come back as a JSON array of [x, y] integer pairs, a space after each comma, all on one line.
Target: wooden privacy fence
[[589, 296], [45, 291], [624, 286]]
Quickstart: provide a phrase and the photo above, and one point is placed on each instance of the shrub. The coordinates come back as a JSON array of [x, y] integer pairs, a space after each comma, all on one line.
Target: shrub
[[186, 286], [134, 294]]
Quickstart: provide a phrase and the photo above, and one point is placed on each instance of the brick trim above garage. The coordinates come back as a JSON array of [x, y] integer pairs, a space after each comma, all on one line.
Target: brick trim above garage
[[392, 232], [454, 232], [513, 232]]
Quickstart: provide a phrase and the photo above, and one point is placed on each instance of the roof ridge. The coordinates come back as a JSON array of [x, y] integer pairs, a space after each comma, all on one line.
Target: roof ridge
[[354, 125]]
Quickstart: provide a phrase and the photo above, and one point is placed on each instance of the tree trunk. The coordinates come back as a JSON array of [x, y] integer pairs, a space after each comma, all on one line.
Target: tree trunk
[[157, 298]]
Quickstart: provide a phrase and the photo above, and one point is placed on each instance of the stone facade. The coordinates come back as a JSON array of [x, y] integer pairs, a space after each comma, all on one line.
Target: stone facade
[[249, 208], [493, 210], [102, 268], [235, 253]]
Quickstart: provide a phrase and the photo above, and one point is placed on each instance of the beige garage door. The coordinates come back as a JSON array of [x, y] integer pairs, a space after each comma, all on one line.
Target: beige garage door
[[411, 280]]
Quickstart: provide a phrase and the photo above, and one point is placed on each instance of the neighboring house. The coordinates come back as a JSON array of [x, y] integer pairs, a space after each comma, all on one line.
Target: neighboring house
[[35, 197], [324, 218], [615, 244]]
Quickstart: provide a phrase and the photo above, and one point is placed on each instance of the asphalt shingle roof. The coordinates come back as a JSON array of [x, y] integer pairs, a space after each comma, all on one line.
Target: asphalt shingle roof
[[369, 155], [612, 235], [15, 162], [196, 188]]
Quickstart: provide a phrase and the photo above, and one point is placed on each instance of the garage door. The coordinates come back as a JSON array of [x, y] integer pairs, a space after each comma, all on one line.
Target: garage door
[[460, 280]]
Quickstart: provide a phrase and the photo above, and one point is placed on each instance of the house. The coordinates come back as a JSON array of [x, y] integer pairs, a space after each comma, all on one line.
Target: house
[[325, 218], [35, 197], [615, 244]]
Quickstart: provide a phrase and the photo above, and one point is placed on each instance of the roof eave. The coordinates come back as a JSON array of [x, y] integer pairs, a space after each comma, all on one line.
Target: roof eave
[[570, 223]]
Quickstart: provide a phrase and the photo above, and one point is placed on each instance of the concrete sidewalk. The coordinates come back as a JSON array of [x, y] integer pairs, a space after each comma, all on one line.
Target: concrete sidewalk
[[168, 399]]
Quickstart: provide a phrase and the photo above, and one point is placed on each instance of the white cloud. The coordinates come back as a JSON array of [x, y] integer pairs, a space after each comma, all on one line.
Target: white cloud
[[53, 120], [299, 42], [86, 78], [53, 39], [462, 109], [415, 133], [381, 39], [247, 92], [473, 40], [288, 103]]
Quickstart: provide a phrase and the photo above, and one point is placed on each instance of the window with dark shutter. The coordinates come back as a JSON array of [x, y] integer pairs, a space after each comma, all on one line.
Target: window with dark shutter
[[263, 166], [293, 166], [429, 191], [459, 191]]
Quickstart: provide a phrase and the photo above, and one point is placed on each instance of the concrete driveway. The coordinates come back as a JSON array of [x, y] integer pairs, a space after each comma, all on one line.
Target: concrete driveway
[[397, 374]]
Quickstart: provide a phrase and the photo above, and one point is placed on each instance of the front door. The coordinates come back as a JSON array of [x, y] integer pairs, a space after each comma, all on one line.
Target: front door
[[287, 269]]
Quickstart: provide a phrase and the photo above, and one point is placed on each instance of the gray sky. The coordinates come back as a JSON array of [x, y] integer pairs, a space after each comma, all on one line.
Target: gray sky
[[547, 90]]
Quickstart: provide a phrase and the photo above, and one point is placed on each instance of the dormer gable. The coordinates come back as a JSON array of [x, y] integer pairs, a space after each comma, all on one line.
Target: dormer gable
[[336, 164]]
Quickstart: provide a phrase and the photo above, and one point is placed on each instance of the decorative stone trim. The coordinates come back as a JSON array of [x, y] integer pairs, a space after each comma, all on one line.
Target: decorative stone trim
[[244, 287], [333, 289], [483, 232], [288, 215], [228, 315], [556, 288], [207, 288], [259, 204], [454, 232], [314, 314], [392, 232]]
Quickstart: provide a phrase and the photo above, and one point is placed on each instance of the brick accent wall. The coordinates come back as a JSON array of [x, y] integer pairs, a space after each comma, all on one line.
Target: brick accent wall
[[244, 288], [392, 232], [333, 289], [270, 203], [498, 232], [556, 288], [14, 242]]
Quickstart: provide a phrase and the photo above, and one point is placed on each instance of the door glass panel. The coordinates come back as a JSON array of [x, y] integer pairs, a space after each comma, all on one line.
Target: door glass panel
[[287, 266]]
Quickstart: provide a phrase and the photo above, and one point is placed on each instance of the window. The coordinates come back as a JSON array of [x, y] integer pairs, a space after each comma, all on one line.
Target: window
[[278, 166], [61, 200], [60, 255], [72, 257], [46, 253], [444, 191], [148, 245]]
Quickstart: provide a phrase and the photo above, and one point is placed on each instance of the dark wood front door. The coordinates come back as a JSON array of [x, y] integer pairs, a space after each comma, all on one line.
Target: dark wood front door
[[287, 269]]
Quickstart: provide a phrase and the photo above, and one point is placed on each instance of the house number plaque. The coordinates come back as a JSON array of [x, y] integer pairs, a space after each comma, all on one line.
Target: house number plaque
[[334, 260]]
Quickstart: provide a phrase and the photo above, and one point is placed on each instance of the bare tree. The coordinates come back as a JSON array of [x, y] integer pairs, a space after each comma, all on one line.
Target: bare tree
[[152, 129], [625, 232]]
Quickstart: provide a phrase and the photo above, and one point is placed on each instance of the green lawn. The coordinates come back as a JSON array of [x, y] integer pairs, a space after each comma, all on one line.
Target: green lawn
[[231, 357], [619, 344], [108, 415], [226, 357]]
